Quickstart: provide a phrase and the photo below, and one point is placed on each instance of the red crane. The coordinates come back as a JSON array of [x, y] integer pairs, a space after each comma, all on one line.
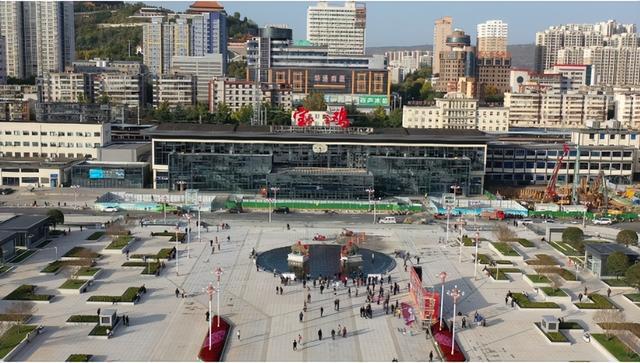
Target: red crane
[[550, 194]]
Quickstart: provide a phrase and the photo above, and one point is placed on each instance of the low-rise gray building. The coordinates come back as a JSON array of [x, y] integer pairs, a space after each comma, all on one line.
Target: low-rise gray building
[[29, 230], [596, 254]]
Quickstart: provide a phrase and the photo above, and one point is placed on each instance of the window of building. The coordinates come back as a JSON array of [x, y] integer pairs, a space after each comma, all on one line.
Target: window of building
[[623, 137], [25, 133], [96, 134], [298, 82], [34, 133], [361, 83], [626, 154], [592, 136], [612, 136], [601, 136], [378, 83], [633, 136]]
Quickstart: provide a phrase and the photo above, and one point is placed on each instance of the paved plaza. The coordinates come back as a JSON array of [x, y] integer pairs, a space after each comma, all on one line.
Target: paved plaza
[[166, 328]]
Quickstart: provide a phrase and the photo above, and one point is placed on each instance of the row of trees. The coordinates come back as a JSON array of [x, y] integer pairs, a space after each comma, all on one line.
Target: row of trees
[[417, 87], [222, 114]]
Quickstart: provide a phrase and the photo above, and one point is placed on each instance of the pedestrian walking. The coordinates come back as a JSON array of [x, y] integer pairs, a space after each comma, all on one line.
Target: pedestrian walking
[[277, 290], [319, 334], [580, 297], [585, 291], [333, 334], [608, 292], [431, 356], [300, 339], [418, 259], [210, 243], [295, 345], [362, 311], [281, 291], [344, 331], [506, 300], [321, 311], [238, 334], [301, 316], [349, 291], [98, 311], [177, 294], [309, 298], [321, 289], [513, 302], [206, 316]]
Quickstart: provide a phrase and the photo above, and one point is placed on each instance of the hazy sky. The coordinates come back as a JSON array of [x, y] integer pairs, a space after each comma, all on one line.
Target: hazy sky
[[411, 23]]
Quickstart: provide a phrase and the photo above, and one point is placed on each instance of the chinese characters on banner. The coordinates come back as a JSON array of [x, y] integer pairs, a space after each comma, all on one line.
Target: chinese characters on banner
[[303, 118]]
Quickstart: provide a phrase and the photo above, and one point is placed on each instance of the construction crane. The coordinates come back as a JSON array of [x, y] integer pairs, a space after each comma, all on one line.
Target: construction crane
[[550, 193]]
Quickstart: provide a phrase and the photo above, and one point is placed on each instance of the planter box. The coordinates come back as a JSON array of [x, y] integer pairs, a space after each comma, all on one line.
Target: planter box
[[510, 258], [118, 251], [508, 280], [18, 347], [555, 299], [535, 284], [636, 303], [77, 291], [109, 303], [559, 308], [547, 339], [89, 278]]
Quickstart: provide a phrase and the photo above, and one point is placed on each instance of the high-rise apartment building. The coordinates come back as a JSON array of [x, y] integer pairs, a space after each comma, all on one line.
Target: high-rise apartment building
[[628, 109], [611, 66], [341, 28], [39, 36], [492, 36], [3, 63], [441, 30]]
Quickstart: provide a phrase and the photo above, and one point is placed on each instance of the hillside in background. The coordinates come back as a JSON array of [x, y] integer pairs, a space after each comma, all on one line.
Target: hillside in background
[[522, 55]]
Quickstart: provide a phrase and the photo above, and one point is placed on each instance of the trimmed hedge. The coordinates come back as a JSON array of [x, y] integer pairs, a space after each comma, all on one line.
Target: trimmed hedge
[[79, 358], [599, 302], [26, 293], [83, 319], [524, 302], [22, 256]]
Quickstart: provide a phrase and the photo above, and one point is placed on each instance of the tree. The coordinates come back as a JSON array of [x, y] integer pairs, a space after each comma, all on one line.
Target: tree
[[574, 237], [243, 115], [504, 233], [627, 237], [56, 216], [633, 276], [314, 102], [395, 118], [103, 100], [222, 114], [617, 263], [20, 312], [237, 69], [608, 319]]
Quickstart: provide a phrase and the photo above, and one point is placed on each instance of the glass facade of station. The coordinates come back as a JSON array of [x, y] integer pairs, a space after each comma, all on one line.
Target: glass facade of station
[[90, 175]]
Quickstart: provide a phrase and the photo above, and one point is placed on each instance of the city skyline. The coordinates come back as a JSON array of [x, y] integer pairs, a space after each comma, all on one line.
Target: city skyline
[[524, 18]]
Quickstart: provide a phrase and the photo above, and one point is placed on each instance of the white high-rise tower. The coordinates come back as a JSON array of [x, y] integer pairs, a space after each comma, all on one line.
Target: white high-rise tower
[[341, 28]]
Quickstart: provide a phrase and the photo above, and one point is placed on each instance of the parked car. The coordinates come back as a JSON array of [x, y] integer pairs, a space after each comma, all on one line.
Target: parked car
[[525, 221], [548, 221], [388, 220], [6, 191], [235, 210], [282, 210], [110, 209], [603, 221]]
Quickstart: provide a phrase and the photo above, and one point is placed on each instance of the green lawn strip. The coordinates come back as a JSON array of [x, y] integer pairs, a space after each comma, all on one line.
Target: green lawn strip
[[566, 274], [13, 336], [119, 243], [484, 259], [15, 317], [634, 328], [524, 302], [88, 271], [539, 279], [542, 260], [181, 236], [57, 265], [570, 325], [550, 291], [23, 255], [505, 249], [599, 302], [621, 282], [100, 330], [633, 297], [4, 268], [502, 272], [129, 295], [564, 248], [26, 293], [83, 319], [523, 242], [95, 235], [554, 337], [44, 243], [81, 252], [617, 348], [503, 262], [151, 268], [72, 284], [79, 358], [141, 256], [134, 264]]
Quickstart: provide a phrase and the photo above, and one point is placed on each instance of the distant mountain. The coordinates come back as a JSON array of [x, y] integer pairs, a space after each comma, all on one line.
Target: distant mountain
[[522, 55]]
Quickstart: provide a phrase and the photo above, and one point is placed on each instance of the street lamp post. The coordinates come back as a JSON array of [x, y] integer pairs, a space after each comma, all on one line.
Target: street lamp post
[[219, 273], [443, 277], [461, 243], [370, 191], [475, 260], [188, 234], [177, 252], [448, 215], [164, 208], [275, 191], [210, 291], [199, 221], [455, 294], [269, 199]]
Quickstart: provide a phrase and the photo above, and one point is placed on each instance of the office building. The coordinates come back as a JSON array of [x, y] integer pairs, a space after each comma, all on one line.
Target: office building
[[456, 111], [492, 37], [174, 91], [340, 28], [53, 139], [240, 93], [39, 36], [35, 172], [266, 48], [441, 30], [119, 89], [459, 61], [555, 110], [203, 68], [243, 159], [627, 108]]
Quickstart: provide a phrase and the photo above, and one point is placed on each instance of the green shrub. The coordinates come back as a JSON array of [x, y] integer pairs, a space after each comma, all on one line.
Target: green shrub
[[26, 293], [539, 279], [524, 302], [574, 237], [72, 284], [627, 237], [633, 276], [79, 358], [83, 319], [617, 263]]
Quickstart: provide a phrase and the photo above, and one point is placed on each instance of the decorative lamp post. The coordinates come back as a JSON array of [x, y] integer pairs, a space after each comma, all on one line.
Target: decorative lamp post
[[443, 277], [455, 294], [370, 191], [210, 291], [188, 216], [475, 266], [218, 271]]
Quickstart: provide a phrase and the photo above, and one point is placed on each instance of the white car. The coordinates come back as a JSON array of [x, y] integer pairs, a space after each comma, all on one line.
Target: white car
[[523, 222], [387, 220], [603, 221], [110, 209]]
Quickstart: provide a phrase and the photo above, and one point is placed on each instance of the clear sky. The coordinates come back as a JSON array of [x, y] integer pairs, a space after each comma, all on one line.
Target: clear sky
[[391, 23]]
